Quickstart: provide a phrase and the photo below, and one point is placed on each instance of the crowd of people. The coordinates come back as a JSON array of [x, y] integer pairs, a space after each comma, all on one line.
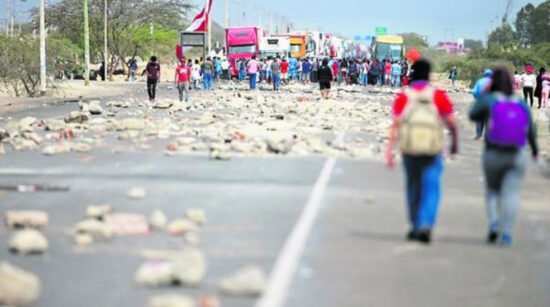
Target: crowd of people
[[420, 114]]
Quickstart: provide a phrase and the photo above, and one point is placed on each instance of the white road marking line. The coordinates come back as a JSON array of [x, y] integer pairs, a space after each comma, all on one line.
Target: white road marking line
[[285, 266]]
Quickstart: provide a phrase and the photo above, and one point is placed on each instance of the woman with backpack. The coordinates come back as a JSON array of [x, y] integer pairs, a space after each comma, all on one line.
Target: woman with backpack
[[505, 157], [421, 113]]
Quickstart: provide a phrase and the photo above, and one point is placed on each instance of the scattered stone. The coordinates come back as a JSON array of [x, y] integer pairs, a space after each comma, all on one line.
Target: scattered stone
[[17, 286], [172, 147], [183, 268], [248, 281], [28, 241], [279, 144], [23, 219], [196, 215], [98, 211], [127, 223], [83, 239], [97, 229], [76, 117], [158, 220], [164, 104], [171, 300], [56, 149], [192, 238], [180, 226], [26, 124], [81, 147], [22, 144], [95, 108], [136, 193], [209, 301]]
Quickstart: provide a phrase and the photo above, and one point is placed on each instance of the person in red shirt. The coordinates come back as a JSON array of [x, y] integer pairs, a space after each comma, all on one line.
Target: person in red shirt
[[419, 128], [387, 69], [181, 79], [335, 70], [284, 70]]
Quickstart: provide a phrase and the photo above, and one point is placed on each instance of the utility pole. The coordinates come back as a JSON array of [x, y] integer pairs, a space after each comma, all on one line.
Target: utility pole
[[86, 44], [227, 19], [42, 50], [270, 22], [105, 47], [12, 17]]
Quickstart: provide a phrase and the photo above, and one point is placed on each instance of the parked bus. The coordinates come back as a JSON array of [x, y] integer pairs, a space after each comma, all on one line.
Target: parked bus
[[273, 46], [297, 44], [389, 47], [242, 43]]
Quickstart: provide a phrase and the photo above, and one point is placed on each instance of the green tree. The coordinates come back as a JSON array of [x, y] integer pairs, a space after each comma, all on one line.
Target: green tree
[[540, 24], [523, 25], [502, 37], [473, 44]]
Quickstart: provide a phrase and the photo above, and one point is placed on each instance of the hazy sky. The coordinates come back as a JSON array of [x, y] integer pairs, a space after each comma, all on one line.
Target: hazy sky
[[438, 19]]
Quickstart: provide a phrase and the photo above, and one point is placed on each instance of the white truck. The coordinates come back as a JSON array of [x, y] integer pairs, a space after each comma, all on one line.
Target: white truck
[[271, 46]]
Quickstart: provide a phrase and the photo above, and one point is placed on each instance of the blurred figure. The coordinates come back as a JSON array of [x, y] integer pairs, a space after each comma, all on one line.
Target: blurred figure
[[504, 157], [324, 75], [396, 74], [538, 88], [293, 66], [181, 79], [387, 72], [374, 72], [306, 71], [242, 69], [481, 86], [153, 77], [517, 81], [314, 70], [528, 81], [276, 71], [207, 73], [218, 66], [196, 74], [545, 90], [133, 70], [453, 75], [284, 71], [420, 113], [404, 73], [225, 69], [335, 70], [252, 70]]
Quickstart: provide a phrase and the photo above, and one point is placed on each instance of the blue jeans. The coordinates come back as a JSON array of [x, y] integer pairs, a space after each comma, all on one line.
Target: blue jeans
[[207, 80], [364, 79], [423, 181], [276, 81], [269, 76], [242, 75], [396, 80], [252, 81]]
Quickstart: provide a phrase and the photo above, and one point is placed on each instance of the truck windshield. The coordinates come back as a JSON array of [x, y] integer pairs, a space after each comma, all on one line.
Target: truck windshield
[[242, 49], [389, 51], [273, 54]]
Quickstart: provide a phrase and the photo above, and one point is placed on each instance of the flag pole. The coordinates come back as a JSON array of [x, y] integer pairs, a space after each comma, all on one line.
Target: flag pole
[[209, 25]]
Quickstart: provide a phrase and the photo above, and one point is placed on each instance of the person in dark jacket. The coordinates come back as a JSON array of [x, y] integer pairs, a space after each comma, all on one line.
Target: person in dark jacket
[[538, 88], [374, 72], [153, 77], [324, 75]]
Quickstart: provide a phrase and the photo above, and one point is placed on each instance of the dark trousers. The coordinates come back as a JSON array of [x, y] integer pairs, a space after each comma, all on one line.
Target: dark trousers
[[423, 181], [479, 129], [528, 93], [151, 88]]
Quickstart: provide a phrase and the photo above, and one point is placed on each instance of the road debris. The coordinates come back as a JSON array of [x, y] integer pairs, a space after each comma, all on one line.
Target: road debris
[[26, 218], [17, 286], [247, 281], [28, 241]]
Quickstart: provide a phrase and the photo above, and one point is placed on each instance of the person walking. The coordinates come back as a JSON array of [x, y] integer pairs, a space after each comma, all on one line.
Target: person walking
[[453, 75], [242, 69], [480, 87], [365, 71], [153, 77], [276, 72], [374, 72], [335, 70], [207, 73], [314, 70], [181, 79], [133, 70], [382, 68], [545, 90], [420, 113], [252, 70], [284, 71], [538, 88], [387, 72], [293, 66], [306, 71], [396, 74], [504, 157], [225, 69], [196, 75], [528, 81], [268, 71], [218, 66], [324, 75]]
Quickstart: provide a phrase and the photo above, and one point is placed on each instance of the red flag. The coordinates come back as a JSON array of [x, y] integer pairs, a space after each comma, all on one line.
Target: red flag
[[199, 24], [413, 55]]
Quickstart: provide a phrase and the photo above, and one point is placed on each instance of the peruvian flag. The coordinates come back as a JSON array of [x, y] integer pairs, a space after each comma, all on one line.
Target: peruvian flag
[[199, 24]]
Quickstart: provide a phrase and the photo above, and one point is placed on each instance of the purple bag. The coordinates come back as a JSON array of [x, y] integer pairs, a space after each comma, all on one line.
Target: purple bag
[[509, 124]]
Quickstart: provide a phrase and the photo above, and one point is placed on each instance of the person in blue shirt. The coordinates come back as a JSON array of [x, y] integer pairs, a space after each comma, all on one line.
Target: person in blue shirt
[[306, 71], [396, 74], [453, 75], [480, 87], [293, 66]]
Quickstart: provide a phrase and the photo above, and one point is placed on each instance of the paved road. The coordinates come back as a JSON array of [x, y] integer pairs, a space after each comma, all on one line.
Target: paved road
[[354, 255]]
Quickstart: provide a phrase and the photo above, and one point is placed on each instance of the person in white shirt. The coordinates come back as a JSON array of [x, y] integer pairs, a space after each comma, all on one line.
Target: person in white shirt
[[529, 81], [517, 81], [268, 71], [225, 69], [196, 74]]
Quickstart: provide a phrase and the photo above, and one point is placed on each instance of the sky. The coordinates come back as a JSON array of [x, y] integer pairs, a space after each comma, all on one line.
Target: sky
[[439, 20]]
